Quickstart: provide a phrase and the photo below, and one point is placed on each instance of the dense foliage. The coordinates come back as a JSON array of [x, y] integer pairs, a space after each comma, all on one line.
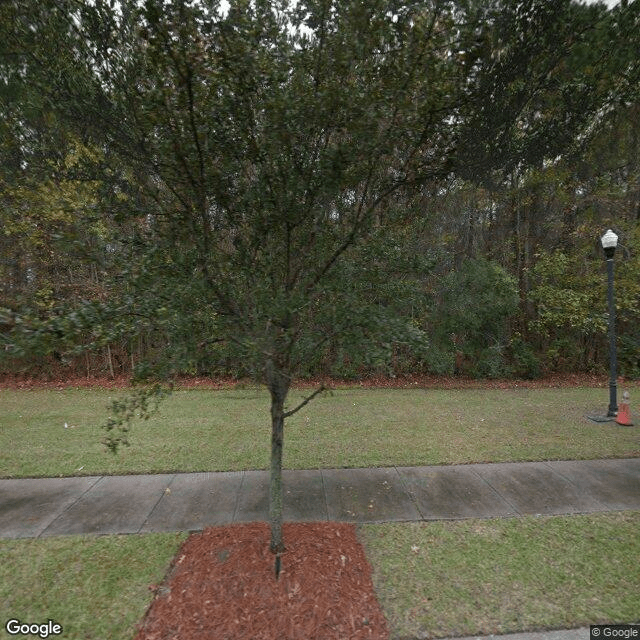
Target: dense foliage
[[481, 255]]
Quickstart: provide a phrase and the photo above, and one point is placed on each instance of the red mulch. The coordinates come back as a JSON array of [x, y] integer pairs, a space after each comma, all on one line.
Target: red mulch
[[379, 382], [222, 586]]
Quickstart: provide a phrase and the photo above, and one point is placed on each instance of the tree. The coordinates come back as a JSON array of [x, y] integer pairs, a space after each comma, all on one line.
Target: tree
[[248, 154]]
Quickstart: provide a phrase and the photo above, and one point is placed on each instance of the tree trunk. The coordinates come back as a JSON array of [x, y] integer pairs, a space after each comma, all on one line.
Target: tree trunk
[[278, 387], [275, 483], [110, 362]]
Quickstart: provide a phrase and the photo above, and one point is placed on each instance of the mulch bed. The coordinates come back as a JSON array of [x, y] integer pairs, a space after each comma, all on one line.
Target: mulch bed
[[222, 586]]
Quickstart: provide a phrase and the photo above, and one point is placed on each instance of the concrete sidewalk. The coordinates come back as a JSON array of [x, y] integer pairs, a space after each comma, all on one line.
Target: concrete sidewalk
[[562, 634], [192, 501]]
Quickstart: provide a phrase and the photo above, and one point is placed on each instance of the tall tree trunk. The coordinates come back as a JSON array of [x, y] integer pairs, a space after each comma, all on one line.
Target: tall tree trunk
[[278, 384], [110, 362], [275, 483]]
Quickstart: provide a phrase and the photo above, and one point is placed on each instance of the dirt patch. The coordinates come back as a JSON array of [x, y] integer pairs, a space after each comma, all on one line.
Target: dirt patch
[[222, 585]]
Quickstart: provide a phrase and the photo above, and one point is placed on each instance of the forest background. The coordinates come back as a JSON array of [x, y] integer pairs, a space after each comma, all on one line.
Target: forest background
[[501, 271]]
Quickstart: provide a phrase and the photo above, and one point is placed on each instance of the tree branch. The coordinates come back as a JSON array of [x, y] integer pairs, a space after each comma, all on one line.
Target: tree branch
[[305, 401]]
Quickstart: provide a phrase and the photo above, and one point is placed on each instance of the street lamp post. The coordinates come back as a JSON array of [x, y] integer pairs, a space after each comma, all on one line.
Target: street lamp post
[[609, 243]]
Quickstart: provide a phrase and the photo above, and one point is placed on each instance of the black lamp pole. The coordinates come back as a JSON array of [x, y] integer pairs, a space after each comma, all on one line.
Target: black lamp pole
[[609, 243]]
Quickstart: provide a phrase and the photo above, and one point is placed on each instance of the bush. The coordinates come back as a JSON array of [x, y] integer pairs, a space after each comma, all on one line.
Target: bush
[[470, 323], [525, 363], [569, 295]]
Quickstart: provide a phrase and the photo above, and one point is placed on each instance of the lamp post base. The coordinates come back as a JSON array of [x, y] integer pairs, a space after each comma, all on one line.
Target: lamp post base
[[613, 393], [601, 418]]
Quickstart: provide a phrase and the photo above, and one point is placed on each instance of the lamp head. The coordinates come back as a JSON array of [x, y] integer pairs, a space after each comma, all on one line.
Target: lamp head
[[609, 243]]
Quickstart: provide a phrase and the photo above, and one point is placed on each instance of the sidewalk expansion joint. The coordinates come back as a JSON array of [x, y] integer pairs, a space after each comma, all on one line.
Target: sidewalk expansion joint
[[516, 511], [158, 501], [411, 495], [603, 505], [72, 504]]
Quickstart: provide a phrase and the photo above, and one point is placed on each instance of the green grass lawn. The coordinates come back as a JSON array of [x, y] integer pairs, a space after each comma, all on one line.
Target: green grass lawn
[[432, 579], [436, 578], [480, 577], [96, 587], [198, 430]]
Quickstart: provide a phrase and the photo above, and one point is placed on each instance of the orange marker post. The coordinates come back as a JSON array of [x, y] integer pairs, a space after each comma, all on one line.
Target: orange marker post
[[624, 413]]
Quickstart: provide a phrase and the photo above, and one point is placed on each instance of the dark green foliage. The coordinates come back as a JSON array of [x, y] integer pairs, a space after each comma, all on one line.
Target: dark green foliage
[[470, 317], [569, 292], [524, 361], [236, 166], [141, 405], [629, 354]]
